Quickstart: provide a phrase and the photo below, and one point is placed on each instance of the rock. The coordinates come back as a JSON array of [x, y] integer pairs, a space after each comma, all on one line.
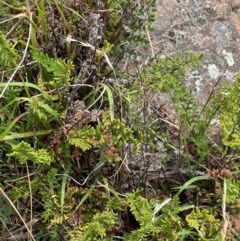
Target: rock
[[205, 26]]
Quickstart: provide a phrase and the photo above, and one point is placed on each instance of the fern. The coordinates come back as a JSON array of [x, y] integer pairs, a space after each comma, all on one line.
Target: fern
[[58, 68], [113, 135], [35, 108], [8, 56], [173, 68], [95, 229], [101, 222], [164, 226], [41, 115], [230, 114], [142, 209], [164, 76], [83, 138], [205, 223], [24, 152], [194, 129], [169, 226]]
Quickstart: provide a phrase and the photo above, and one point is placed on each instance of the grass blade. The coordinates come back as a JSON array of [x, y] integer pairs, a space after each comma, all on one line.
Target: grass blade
[[21, 84], [110, 100], [25, 134], [64, 182], [188, 183], [10, 126], [84, 198]]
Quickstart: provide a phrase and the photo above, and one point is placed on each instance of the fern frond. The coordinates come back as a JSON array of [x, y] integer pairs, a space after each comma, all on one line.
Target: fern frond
[[61, 71], [180, 63], [82, 138], [24, 152], [230, 113], [101, 222], [205, 223], [8, 56], [140, 207], [96, 229]]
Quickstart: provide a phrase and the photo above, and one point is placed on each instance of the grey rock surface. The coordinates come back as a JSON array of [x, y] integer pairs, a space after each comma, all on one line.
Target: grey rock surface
[[212, 27]]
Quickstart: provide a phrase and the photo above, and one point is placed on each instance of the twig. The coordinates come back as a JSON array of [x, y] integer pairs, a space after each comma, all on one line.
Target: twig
[[7, 199], [224, 213], [150, 42]]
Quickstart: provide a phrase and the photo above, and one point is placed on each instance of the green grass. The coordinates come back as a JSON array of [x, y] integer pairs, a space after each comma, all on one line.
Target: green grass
[[85, 159]]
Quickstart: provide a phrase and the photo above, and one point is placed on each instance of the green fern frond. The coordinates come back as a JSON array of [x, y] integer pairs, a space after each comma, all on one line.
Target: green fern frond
[[178, 65], [230, 113], [101, 222], [205, 223], [35, 108], [140, 207], [117, 132], [8, 56], [96, 229], [43, 110], [24, 152], [82, 138], [60, 70], [169, 225]]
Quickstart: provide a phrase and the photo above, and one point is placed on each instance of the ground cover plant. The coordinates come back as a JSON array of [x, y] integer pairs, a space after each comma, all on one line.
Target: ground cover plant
[[99, 144]]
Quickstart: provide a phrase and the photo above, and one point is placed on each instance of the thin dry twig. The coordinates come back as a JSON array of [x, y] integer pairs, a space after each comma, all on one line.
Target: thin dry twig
[[30, 195], [224, 213], [150, 42], [26, 225]]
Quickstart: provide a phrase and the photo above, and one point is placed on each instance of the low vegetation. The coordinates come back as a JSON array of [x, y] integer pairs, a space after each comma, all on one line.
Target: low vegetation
[[100, 142]]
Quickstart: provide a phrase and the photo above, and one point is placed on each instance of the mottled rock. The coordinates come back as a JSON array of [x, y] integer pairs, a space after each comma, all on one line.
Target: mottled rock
[[211, 27]]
